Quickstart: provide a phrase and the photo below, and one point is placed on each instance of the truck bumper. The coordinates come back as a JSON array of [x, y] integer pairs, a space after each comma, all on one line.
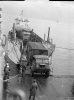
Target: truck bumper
[[41, 72]]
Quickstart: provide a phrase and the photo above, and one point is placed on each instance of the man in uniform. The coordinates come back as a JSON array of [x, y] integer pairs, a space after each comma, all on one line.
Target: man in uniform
[[6, 70], [6, 76], [33, 90]]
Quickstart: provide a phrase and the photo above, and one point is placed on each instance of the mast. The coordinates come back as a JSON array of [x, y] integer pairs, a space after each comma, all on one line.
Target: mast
[[14, 31], [48, 38], [44, 37]]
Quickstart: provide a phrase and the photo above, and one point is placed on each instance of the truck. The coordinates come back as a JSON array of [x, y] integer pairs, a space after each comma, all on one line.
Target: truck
[[37, 59]]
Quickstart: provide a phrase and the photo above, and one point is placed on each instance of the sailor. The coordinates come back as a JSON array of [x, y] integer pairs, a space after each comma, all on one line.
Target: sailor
[[23, 68], [33, 89], [18, 67], [6, 70], [5, 78]]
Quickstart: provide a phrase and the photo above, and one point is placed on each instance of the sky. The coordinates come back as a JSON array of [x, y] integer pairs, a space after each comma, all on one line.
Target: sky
[[58, 11], [59, 16], [39, 9]]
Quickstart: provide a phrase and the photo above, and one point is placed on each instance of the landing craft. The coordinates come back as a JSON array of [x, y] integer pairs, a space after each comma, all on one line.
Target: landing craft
[[30, 50]]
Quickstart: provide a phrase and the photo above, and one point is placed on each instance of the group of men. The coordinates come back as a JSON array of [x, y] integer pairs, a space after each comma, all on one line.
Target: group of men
[[34, 85]]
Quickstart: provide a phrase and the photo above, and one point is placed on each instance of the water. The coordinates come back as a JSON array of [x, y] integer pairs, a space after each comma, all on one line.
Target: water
[[62, 62]]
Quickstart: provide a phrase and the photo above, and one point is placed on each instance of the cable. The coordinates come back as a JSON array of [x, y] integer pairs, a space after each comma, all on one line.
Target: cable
[[9, 78]]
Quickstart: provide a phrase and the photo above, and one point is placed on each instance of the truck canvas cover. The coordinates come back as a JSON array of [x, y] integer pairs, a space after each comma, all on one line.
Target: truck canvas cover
[[36, 46]]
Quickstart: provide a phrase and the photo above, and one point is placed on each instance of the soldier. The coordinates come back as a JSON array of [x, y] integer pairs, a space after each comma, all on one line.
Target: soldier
[[6, 76], [6, 70], [33, 90], [18, 67]]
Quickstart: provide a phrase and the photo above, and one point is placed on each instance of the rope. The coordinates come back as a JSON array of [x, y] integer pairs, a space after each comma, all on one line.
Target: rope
[[9, 78]]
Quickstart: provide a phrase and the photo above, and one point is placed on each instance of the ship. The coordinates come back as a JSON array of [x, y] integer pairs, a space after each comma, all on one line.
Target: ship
[[25, 46]]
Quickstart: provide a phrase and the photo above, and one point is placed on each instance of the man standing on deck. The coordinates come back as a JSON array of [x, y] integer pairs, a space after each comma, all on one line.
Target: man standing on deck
[[33, 90], [6, 76], [6, 70]]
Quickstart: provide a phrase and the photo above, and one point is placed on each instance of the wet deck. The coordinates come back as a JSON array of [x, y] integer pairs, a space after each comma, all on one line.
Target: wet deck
[[52, 88]]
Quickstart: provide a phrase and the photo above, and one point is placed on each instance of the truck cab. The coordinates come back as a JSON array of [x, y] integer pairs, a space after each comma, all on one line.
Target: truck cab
[[40, 65]]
